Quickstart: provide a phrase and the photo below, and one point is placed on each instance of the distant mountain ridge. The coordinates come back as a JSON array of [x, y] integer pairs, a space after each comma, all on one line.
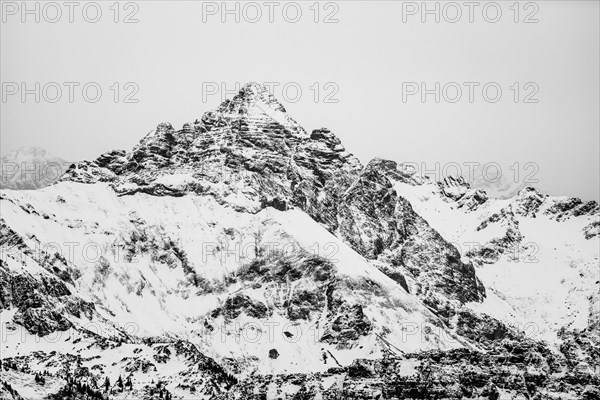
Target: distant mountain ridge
[[29, 168]]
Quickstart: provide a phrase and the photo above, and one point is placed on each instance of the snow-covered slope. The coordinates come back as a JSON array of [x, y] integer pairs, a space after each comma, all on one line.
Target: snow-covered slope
[[539, 254], [164, 264]]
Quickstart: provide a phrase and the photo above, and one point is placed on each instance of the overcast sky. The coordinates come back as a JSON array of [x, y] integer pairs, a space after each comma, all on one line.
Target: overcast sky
[[360, 75]]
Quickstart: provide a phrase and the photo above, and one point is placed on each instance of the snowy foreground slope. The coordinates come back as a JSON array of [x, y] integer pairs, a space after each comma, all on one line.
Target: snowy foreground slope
[[243, 257]]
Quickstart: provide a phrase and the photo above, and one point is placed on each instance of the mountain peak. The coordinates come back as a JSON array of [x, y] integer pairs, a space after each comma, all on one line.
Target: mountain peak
[[253, 88], [254, 92], [253, 98]]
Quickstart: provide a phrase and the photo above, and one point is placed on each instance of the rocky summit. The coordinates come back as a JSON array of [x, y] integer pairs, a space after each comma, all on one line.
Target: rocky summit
[[244, 257]]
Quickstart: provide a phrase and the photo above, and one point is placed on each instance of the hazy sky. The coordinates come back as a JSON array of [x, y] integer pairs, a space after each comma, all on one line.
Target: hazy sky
[[369, 61]]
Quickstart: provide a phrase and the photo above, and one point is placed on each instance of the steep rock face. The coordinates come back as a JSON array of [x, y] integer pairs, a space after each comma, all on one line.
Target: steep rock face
[[381, 225], [248, 154], [103, 169], [41, 296], [368, 214]]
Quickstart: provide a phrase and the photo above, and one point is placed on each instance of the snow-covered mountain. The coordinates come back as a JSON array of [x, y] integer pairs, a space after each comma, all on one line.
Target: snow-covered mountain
[[489, 177], [243, 257], [30, 168]]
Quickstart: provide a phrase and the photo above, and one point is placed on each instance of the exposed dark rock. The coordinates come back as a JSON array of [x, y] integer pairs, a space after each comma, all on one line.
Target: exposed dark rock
[[41, 321], [240, 303], [374, 220], [572, 207], [348, 323]]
